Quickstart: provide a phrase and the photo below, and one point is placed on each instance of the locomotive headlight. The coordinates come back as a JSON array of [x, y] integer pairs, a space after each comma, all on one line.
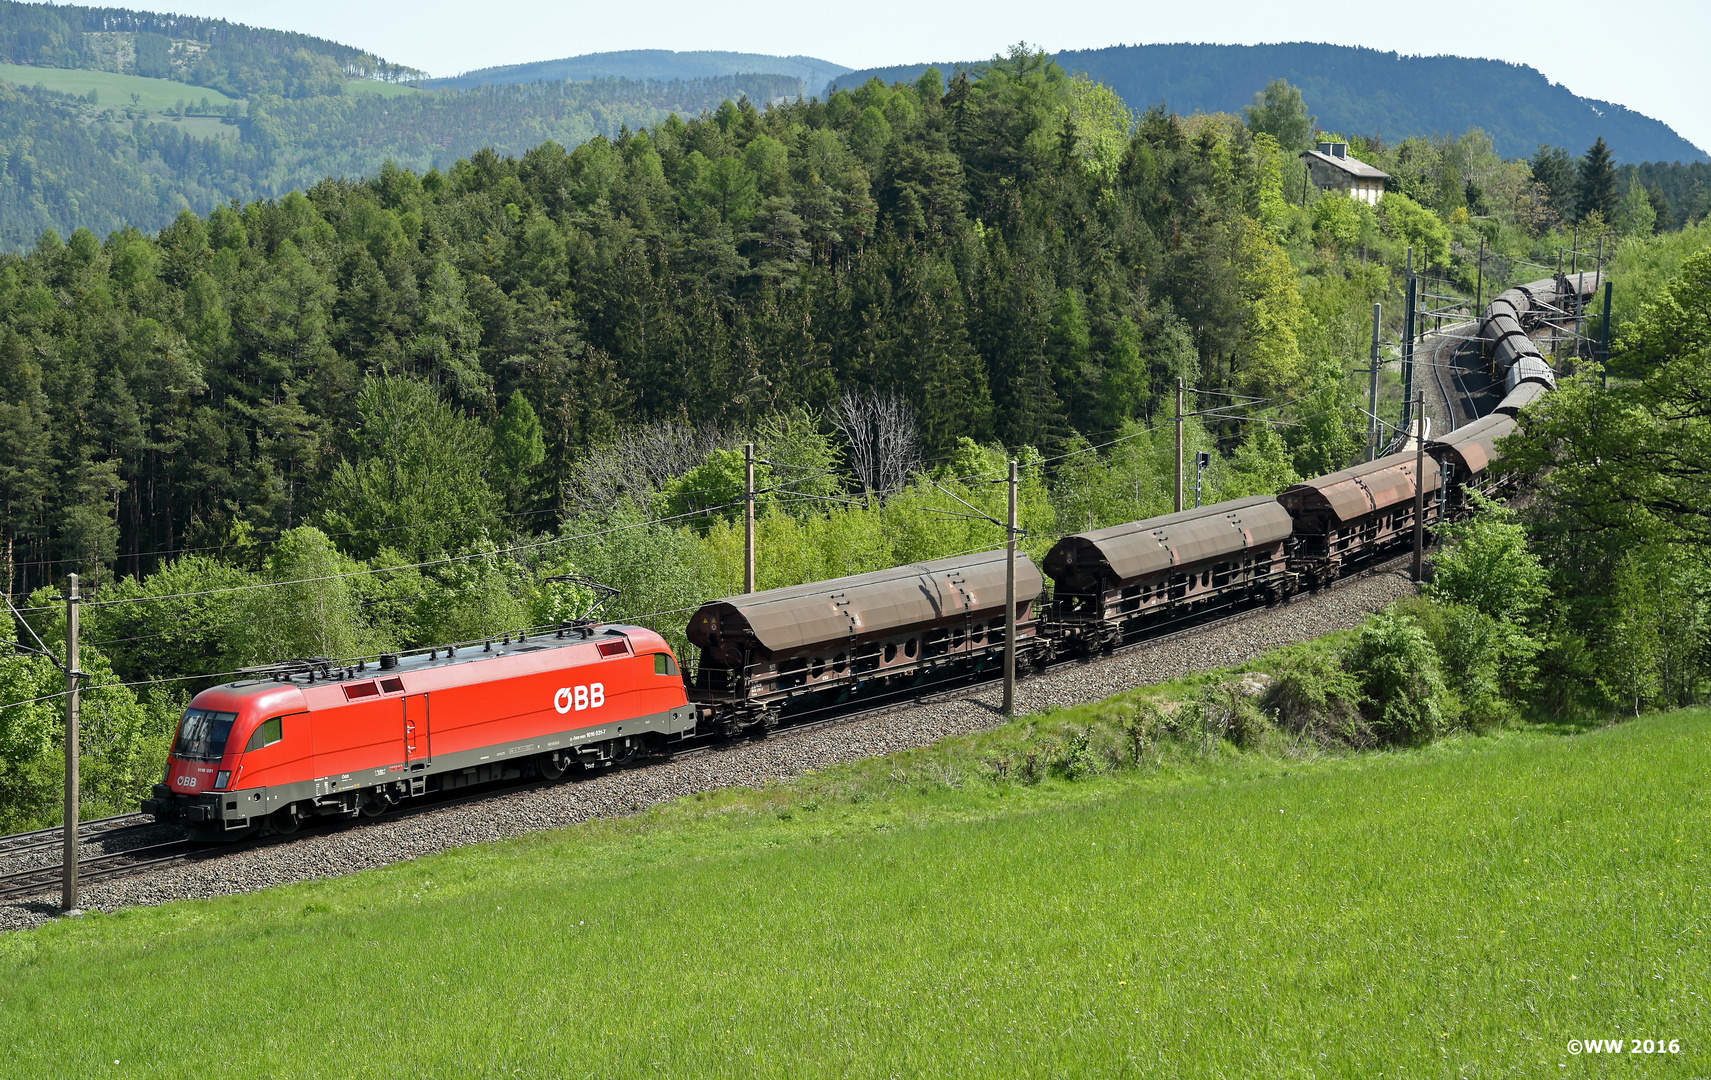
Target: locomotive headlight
[[221, 778]]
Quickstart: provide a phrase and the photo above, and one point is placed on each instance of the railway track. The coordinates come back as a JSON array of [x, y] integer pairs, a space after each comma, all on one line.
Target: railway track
[[87, 831], [1447, 349], [43, 881]]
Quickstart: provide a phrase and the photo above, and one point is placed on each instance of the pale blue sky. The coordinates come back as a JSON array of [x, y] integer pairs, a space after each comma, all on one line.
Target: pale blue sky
[[1650, 55]]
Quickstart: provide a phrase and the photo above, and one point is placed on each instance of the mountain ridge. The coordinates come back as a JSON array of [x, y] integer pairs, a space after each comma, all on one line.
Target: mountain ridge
[[661, 64], [1361, 91]]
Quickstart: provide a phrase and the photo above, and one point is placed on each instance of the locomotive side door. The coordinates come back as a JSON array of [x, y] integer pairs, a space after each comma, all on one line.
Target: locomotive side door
[[416, 747]]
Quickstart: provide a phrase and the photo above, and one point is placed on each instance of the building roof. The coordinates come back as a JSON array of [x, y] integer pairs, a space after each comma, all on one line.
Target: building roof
[[1349, 165]]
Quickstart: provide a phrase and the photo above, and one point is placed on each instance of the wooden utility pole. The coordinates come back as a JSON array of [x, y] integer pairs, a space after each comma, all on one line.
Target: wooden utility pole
[[1372, 389], [1419, 485], [1579, 304], [1179, 446], [1479, 282], [1010, 602], [1604, 340], [68, 878], [748, 517], [1408, 346]]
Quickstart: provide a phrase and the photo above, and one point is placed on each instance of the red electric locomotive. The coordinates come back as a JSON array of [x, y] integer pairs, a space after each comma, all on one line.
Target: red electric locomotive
[[266, 753]]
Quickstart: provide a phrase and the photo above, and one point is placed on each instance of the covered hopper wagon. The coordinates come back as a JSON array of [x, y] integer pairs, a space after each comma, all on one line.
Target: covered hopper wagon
[[1112, 582], [762, 651]]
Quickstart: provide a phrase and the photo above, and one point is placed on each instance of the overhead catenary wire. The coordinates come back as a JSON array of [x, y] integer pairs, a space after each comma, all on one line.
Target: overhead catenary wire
[[1245, 401]]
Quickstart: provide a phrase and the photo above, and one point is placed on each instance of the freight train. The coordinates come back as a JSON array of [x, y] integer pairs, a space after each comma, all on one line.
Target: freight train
[[314, 739]]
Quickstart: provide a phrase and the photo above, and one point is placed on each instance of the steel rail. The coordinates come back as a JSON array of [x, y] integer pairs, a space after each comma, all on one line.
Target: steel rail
[[42, 879], [94, 828]]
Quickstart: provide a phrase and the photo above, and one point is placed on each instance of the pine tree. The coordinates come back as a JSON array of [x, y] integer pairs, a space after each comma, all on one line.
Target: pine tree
[[1553, 169], [1597, 182]]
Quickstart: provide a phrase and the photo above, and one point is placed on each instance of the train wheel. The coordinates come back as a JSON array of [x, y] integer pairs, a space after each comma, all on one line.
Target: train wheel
[[549, 768], [372, 807], [285, 821]]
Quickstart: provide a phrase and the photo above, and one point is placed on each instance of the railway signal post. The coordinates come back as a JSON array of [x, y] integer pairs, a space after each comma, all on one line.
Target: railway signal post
[[1419, 482], [1010, 594], [68, 880], [748, 517]]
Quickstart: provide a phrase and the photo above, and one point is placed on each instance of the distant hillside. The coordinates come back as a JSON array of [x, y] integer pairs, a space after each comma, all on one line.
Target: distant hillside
[[1367, 92], [235, 59], [69, 163], [661, 64]]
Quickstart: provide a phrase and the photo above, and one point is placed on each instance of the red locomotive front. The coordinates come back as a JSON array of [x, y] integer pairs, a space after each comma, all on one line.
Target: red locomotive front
[[298, 743]]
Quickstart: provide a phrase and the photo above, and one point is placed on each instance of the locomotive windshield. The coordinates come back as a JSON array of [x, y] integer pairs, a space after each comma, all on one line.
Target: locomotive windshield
[[202, 734]]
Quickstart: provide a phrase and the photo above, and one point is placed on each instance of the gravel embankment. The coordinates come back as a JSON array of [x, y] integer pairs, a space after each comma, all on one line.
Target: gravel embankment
[[323, 852]]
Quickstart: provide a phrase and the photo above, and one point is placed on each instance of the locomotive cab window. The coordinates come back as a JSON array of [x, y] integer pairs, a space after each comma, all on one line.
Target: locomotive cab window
[[202, 734], [266, 733], [664, 665]]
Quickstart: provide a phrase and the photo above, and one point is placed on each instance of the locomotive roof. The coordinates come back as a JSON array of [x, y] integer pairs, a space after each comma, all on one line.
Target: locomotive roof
[[287, 682], [1351, 493], [1474, 445], [830, 611], [1191, 536]]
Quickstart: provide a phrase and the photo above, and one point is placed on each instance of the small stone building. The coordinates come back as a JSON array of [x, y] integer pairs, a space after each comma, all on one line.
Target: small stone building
[[1332, 169]]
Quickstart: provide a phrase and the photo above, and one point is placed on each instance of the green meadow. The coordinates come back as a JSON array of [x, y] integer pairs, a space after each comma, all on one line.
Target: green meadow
[[1463, 910], [157, 95], [382, 89], [114, 90]]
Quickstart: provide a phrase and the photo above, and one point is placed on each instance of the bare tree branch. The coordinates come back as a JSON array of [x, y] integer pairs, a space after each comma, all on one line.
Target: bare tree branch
[[883, 437]]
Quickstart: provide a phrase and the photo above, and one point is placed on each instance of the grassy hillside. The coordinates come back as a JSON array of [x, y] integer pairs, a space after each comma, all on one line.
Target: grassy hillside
[[661, 64], [1366, 92], [1465, 910], [115, 90], [240, 60]]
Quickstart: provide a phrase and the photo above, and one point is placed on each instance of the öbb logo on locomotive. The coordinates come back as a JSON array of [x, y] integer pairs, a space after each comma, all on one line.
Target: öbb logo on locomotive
[[579, 698], [314, 739]]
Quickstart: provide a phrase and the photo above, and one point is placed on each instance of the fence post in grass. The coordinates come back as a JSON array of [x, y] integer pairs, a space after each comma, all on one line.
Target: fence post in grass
[[748, 517], [1419, 483], [68, 877], [1010, 603]]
